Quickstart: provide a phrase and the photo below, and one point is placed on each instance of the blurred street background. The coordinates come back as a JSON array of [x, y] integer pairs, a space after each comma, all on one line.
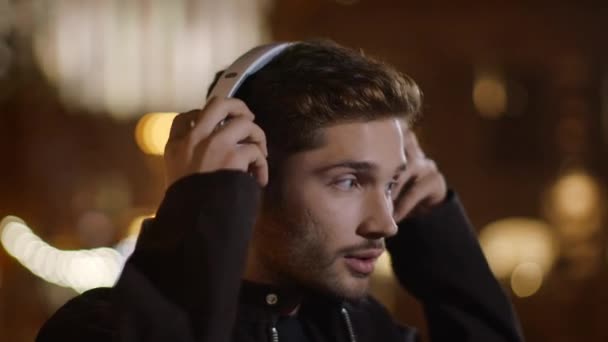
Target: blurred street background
[[515, 114]]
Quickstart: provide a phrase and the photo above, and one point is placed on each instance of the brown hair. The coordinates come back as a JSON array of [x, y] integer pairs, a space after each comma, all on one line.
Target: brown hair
[[315, 84]]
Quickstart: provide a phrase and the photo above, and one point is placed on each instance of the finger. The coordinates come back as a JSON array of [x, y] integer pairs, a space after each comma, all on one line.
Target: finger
[[215, 111], [415, 170], [411, 145], [416, 195], [243, 131], [180, 127], [256, 162], [403, 187], [259, 167], [418, 168]]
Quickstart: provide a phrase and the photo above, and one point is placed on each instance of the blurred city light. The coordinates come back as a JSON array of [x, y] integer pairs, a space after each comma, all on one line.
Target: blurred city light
[[383, 266], [526, 279], [510, 242], [135, 225], [80, 270], [575, 196], [126, 246], [130, 57], [490, 95], [152, 132]]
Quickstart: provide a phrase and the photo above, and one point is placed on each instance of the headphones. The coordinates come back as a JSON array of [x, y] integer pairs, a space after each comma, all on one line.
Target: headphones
[[252, 61]]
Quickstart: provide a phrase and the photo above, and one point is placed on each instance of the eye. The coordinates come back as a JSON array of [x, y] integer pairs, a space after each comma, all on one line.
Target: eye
[[346, 184]]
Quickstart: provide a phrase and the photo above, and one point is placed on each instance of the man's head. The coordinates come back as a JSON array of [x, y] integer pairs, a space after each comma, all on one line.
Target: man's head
[[332, 120]]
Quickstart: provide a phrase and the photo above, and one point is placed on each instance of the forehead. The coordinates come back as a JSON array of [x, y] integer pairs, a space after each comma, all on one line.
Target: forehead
[[378, 141]]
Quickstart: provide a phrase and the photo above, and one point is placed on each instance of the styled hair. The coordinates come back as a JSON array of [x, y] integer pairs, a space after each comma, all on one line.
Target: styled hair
[[316, 84]]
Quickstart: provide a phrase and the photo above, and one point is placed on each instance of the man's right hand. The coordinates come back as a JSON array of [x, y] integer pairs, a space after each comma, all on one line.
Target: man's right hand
[[221, 136]]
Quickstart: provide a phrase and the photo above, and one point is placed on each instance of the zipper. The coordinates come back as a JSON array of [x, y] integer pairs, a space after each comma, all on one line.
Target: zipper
[[274, 333], [349, 324]]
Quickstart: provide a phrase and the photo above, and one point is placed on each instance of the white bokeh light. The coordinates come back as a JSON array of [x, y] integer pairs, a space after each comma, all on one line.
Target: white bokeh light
[[81, 269], [132, 57]]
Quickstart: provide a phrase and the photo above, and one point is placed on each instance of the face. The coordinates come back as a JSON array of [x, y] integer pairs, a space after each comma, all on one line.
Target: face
[[335, 211]]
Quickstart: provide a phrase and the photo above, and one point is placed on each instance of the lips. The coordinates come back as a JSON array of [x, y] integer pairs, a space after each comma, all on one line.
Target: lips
[[362, 262]]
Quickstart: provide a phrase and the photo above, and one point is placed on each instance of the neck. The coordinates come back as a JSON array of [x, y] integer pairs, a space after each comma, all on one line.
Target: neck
[[257, 272]]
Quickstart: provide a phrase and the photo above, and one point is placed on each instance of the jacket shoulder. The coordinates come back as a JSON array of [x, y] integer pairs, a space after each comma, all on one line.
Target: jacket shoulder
[[87, 317]]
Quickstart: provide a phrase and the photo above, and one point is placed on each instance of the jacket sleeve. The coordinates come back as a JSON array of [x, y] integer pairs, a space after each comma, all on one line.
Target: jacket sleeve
[[185, 272], [438, 259], [182, 281]]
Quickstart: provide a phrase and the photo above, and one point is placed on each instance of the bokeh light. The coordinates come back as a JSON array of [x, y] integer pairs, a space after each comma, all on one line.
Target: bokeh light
[[129, 57], [135, 225], [81, 269], [384, 266], [526, 279], [490, 95], [510, 242], [127, 245], [576, 195], [152, 132]]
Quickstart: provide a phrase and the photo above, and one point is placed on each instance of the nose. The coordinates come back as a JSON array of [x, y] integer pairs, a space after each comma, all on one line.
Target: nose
[[378, 214]]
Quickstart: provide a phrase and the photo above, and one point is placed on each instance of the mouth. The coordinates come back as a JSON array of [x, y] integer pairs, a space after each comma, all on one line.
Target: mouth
[[362, 263]]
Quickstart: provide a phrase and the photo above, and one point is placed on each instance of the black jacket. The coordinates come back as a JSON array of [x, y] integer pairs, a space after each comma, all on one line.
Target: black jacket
[[183, 281]]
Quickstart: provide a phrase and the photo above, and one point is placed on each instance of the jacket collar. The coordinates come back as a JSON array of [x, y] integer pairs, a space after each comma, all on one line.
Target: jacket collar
[[270, 298], [275, 300]]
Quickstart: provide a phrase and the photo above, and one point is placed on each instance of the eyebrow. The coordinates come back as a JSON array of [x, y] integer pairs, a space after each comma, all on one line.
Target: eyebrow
[[359, 166]]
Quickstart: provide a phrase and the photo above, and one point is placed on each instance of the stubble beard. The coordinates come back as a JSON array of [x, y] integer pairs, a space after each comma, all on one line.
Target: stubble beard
[[297, 256]]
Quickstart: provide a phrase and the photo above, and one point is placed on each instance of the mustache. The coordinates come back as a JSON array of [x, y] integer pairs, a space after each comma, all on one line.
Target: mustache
[[368, 244]]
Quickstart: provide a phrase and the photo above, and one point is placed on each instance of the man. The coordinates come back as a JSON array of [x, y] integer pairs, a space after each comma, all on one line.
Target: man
[[280, 202]]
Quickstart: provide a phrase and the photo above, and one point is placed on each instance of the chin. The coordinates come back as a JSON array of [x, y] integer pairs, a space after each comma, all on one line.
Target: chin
[[358, 291], [348, 287], [336, 282]]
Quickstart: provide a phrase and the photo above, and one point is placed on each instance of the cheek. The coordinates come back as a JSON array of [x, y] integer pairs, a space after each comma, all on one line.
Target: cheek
[[337, 214]]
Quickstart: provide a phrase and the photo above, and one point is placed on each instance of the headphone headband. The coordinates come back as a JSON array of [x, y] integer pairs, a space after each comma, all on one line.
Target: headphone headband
[[252, 61]]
